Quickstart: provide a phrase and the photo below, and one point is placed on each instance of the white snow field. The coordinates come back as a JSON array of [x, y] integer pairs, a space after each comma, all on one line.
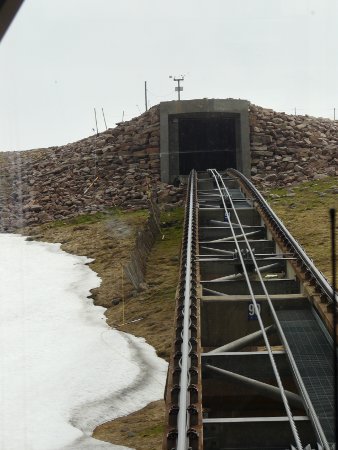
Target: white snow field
[[63, 371]]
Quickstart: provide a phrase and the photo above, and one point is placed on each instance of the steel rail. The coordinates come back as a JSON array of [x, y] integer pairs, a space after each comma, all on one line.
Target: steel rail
[[184, 401], [308, 404], [297, 249], [288, 411]]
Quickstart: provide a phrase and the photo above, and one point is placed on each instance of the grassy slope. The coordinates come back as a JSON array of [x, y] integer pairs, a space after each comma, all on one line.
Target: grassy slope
[[304, 210], [155, 304]]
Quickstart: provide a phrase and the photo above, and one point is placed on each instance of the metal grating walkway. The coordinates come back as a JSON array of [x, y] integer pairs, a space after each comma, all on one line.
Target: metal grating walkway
[[314, 358]]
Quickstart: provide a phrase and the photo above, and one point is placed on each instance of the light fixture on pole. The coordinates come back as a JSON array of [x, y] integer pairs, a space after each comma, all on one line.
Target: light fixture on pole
[[178, 88]]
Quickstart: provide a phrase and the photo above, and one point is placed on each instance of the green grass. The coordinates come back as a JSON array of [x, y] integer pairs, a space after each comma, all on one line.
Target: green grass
[[171, 223], [156, 430], [83, 219], [305, 196], [304, 209], [174, 217]]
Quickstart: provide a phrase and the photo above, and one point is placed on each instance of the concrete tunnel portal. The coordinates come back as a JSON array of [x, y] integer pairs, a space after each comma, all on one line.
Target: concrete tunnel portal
[[206, 141], [200, 134]]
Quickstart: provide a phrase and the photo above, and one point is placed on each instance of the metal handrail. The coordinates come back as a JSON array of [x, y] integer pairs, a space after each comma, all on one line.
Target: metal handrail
[[315, 273]]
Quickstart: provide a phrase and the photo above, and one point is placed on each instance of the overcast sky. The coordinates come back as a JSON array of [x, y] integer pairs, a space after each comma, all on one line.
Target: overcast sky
[[62, 58]]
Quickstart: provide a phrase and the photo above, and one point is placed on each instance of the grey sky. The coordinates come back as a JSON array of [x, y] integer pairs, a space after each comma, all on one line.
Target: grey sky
[[60, 58]]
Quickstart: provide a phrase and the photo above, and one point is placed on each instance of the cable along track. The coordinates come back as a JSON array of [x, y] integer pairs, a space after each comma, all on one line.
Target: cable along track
[[260, 356]]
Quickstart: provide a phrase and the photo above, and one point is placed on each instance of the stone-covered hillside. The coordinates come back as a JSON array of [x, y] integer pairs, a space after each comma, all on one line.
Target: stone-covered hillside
[[121, 166], [287, 149]]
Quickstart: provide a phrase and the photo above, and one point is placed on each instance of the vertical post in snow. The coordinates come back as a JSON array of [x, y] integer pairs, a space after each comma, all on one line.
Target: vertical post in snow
[[146, 95]]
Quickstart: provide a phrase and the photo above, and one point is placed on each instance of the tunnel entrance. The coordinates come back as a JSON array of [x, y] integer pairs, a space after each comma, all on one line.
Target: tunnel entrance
[[205, 142], [201, 134]]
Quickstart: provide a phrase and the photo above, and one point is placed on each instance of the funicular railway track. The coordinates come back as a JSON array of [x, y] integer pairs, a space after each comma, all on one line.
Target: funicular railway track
[[252, 362]]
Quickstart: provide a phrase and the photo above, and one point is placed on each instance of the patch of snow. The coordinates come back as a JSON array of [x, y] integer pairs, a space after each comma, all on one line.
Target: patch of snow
[[63, 371]]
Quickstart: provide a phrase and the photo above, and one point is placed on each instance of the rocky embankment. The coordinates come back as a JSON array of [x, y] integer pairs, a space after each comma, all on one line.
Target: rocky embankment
[[119, 167], [287, 149]]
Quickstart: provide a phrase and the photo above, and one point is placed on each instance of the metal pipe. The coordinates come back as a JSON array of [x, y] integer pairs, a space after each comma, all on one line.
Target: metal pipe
[[235, 276], [244, 341], [217, 250], [231, 238], [202, 258], [225, 223], [268, 267], [265, 389], [213, 292]]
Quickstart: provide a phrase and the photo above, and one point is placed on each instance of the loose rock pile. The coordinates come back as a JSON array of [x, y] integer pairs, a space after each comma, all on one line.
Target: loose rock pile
[[288, 149], [121, 167]]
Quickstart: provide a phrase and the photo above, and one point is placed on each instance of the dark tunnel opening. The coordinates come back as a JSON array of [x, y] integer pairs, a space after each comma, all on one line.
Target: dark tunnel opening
[[206, 142]]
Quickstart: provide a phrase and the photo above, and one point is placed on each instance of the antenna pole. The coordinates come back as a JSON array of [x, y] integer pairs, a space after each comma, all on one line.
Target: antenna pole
[[97, 131], [178, 88], [104, 119], [146, 95]]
